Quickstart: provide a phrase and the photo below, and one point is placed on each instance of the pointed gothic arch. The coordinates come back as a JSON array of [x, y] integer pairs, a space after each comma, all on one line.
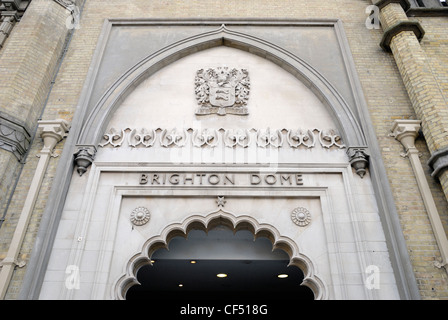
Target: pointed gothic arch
[[206, 223], [95, 123]]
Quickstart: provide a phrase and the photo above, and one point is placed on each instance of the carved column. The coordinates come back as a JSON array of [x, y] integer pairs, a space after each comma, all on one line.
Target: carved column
[[406, 131], [52, 133], [401, 37]]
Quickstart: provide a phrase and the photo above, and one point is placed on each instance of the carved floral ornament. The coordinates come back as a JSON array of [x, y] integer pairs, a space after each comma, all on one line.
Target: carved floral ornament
[[140, 216], [275, 138], [301, 216]]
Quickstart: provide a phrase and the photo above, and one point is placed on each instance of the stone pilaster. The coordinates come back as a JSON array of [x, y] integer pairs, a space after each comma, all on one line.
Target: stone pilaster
[[406, 131]]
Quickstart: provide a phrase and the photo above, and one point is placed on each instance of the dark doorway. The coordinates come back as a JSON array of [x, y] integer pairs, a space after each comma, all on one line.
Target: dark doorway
[[220, 266]]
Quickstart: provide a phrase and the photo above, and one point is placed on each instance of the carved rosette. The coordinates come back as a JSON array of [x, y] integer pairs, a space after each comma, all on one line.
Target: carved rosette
[[14, 137], [301, 216], [140, 216]]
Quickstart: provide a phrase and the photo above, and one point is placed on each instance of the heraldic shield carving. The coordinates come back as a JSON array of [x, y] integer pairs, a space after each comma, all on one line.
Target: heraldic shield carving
[[222, 91]]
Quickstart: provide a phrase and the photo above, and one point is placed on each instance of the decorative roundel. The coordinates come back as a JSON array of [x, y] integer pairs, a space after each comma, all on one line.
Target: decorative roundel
[[140, 216], [301, 216]]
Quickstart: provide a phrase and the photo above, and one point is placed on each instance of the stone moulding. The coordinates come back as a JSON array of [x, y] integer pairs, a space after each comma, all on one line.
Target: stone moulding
[[14, 137], [208, 222]]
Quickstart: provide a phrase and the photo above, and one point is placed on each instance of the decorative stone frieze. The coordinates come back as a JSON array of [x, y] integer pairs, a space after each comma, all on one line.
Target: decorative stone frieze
[[231, 138]]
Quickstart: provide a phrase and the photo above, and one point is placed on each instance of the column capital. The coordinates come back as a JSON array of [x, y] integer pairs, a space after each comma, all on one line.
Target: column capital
[[406, 131], [52, 131]]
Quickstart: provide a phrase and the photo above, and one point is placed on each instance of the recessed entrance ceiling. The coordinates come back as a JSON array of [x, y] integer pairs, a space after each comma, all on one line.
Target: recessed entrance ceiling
[[247, 270]]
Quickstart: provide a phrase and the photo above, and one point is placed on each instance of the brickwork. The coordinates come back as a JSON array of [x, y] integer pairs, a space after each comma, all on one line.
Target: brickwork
[[429, 102], [384, 89], [27, 65]]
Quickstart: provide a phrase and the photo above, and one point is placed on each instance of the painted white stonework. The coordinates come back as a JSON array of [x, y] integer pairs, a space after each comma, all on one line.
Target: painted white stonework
[[182, 183]]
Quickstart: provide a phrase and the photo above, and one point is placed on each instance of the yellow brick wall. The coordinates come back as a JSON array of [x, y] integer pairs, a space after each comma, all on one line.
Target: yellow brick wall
[[384, 90]]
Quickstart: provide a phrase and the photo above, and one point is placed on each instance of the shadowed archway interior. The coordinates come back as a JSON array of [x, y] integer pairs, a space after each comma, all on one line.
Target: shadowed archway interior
[[189, 270]]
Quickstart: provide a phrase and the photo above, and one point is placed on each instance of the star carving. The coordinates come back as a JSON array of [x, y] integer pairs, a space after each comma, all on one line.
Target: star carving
[[221, 202]]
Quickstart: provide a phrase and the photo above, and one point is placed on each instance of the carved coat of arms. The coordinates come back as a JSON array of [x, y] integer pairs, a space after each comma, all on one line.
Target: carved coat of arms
[[222, 91]]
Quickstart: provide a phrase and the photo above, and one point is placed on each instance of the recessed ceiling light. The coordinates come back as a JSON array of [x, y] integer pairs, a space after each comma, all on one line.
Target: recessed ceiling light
[[193, 261], [181, 285], [282, 276], [221, 275]]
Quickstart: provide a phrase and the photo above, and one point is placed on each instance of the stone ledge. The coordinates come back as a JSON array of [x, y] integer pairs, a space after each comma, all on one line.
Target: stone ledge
[[391, 32]]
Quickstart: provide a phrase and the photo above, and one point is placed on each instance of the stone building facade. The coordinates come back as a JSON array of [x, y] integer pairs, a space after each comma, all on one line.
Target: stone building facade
[[322, 126]]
